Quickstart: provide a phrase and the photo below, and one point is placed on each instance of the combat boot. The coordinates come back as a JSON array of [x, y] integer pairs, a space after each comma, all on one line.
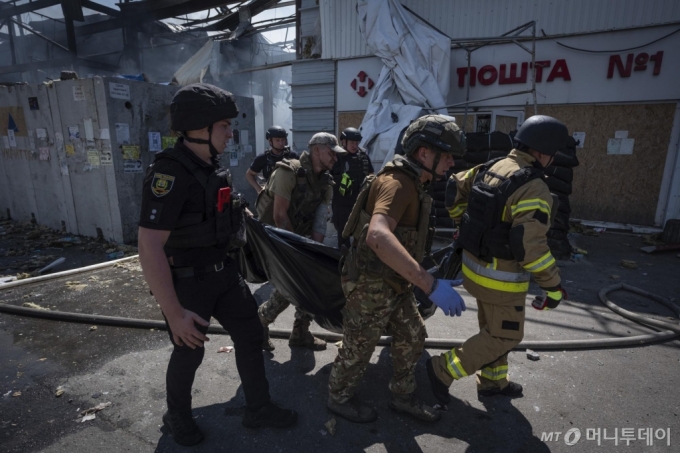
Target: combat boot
[[512, 390], [269, 415], [352, 410], [301, 336], [409, 404], [183, 428], [267, 344]]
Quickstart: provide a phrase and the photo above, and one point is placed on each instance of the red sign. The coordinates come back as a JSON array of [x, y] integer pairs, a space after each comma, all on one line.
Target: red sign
[[362, 83], [515, 73]]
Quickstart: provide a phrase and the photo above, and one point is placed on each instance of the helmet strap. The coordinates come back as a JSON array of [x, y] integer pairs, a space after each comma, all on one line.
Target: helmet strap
[[201, 141]]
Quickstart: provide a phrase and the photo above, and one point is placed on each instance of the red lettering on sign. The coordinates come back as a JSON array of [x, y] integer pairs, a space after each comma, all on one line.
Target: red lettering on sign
[[559, 70], [539, 69], [657, 58], [491, 71], [512, 77], [641, 62], [615, 61], [461, 76]]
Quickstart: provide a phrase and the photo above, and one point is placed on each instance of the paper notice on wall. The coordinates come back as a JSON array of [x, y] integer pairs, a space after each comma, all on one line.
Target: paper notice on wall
[[78, 93], [89, 130], [131, 152], [119, 91], [123, 133], [621, 134], [627, 145], [5, 142], [132, 166], [70, 150], [73, 133], [12, 139], [63, 168], [59, 142], [248, 149], [155, 142], [93, 157], [104, 134], [44, 153], [106, 157], [233, 162], [244, 137], [168, 142], [41, 133]]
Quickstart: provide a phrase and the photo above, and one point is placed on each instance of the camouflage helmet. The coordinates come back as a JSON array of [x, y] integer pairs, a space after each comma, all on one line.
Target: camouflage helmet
[[434, 131]]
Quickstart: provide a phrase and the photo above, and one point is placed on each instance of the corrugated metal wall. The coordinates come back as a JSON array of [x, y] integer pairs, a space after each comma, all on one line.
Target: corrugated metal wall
[[481, 18], [313, 99]]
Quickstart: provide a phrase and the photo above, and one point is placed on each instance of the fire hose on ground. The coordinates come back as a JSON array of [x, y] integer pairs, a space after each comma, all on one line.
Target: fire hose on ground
[[665, 330]]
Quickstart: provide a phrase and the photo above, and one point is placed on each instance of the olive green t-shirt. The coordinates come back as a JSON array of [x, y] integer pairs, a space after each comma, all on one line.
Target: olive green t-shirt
[[282, 183], [394, 194]]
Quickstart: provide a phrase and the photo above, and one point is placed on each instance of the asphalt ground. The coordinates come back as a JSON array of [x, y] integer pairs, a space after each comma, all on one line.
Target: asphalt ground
[[594, 389]]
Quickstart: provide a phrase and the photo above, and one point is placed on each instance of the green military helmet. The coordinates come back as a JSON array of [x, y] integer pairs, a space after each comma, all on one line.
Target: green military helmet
[[434, 131]]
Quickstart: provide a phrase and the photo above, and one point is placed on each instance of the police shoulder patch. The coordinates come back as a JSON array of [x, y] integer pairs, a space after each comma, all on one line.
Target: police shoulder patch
[[161, 184]]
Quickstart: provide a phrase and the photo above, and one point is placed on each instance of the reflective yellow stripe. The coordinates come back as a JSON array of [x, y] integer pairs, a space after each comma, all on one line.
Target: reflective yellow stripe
[[454, 366], [530, 205], [470, 173], [540, 264], [555, 295], [493, 265], [508, 287], [458, 211], [495, 374]]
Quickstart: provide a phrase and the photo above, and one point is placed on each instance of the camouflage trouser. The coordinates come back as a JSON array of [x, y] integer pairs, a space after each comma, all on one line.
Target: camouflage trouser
[[372, 306], [276, 304], [501, 328]]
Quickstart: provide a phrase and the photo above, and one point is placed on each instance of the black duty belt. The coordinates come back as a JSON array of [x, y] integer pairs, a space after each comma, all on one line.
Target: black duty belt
[[196, 271]]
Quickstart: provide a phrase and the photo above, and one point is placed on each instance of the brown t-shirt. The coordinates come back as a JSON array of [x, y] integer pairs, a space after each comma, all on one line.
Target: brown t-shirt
[[394, 194]]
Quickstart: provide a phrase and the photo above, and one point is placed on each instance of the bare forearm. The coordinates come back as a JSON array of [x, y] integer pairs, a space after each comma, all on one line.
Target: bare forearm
[[252, 180], [318, 237], [392, 253], [283, 222]]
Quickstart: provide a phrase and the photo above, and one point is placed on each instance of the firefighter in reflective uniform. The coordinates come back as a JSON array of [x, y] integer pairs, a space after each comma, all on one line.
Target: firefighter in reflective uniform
[[348, 174], [265, 163], [296, 198], [504, 211], [184, 238], [390, 224]]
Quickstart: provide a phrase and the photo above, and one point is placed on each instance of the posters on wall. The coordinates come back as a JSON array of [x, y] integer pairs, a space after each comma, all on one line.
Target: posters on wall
[[123, 133], [119, 91], [155, 142]]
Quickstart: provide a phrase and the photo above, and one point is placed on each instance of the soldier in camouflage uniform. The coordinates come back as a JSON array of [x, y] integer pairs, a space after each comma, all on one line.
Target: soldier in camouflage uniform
[[390, 225], [296, 198]]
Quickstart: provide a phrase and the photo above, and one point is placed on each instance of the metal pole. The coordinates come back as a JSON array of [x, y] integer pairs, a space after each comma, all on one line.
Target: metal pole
[[478, 100], [10, 30], [467, 95], [71, 37], [533, 66]]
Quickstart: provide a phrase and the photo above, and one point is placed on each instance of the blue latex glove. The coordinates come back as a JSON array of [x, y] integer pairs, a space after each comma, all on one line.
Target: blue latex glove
[[445, 297]]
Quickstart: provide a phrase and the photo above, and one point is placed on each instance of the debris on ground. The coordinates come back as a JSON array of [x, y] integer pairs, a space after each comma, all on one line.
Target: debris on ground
[[226, 349], [60, 391], [338, 343], [5, 395], [532, 355], [330, 426], [35, 306], [89, 414], [615, 277], [16, 394], [75, 285], [577, 250], [93, 327], [660, 248], [629, 264], [441, 407]]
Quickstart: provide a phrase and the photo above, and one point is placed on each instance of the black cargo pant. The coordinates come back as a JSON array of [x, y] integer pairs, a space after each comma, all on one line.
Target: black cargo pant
[[340, 216], [225, 296]]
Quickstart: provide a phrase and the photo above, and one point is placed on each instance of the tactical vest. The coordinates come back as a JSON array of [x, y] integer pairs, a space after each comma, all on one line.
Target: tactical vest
[[354, 169], [416, 240], [272, 160], [483, 231], [224, 229], [307, 195]]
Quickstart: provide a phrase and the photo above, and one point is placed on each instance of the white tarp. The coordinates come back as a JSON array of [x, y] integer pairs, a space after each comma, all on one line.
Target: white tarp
[[415, 76], [193, 71]]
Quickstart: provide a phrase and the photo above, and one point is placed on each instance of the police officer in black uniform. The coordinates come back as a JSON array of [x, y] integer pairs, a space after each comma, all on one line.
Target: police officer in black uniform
[[266, 163], [348, 173], [184, 237]]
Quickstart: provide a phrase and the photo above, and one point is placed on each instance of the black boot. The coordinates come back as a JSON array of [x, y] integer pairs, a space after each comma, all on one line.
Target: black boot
[[512, 390], [183, 428], [439, 389], [269, 415]]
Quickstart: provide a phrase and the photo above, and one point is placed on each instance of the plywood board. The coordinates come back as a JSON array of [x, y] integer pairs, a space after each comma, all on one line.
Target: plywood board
[[349, 119], [617, 188]]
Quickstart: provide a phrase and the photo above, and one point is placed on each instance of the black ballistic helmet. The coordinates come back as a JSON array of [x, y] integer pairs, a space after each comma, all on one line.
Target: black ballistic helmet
[[276, 132], [544, 134], [200, 105], [352, 134]]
